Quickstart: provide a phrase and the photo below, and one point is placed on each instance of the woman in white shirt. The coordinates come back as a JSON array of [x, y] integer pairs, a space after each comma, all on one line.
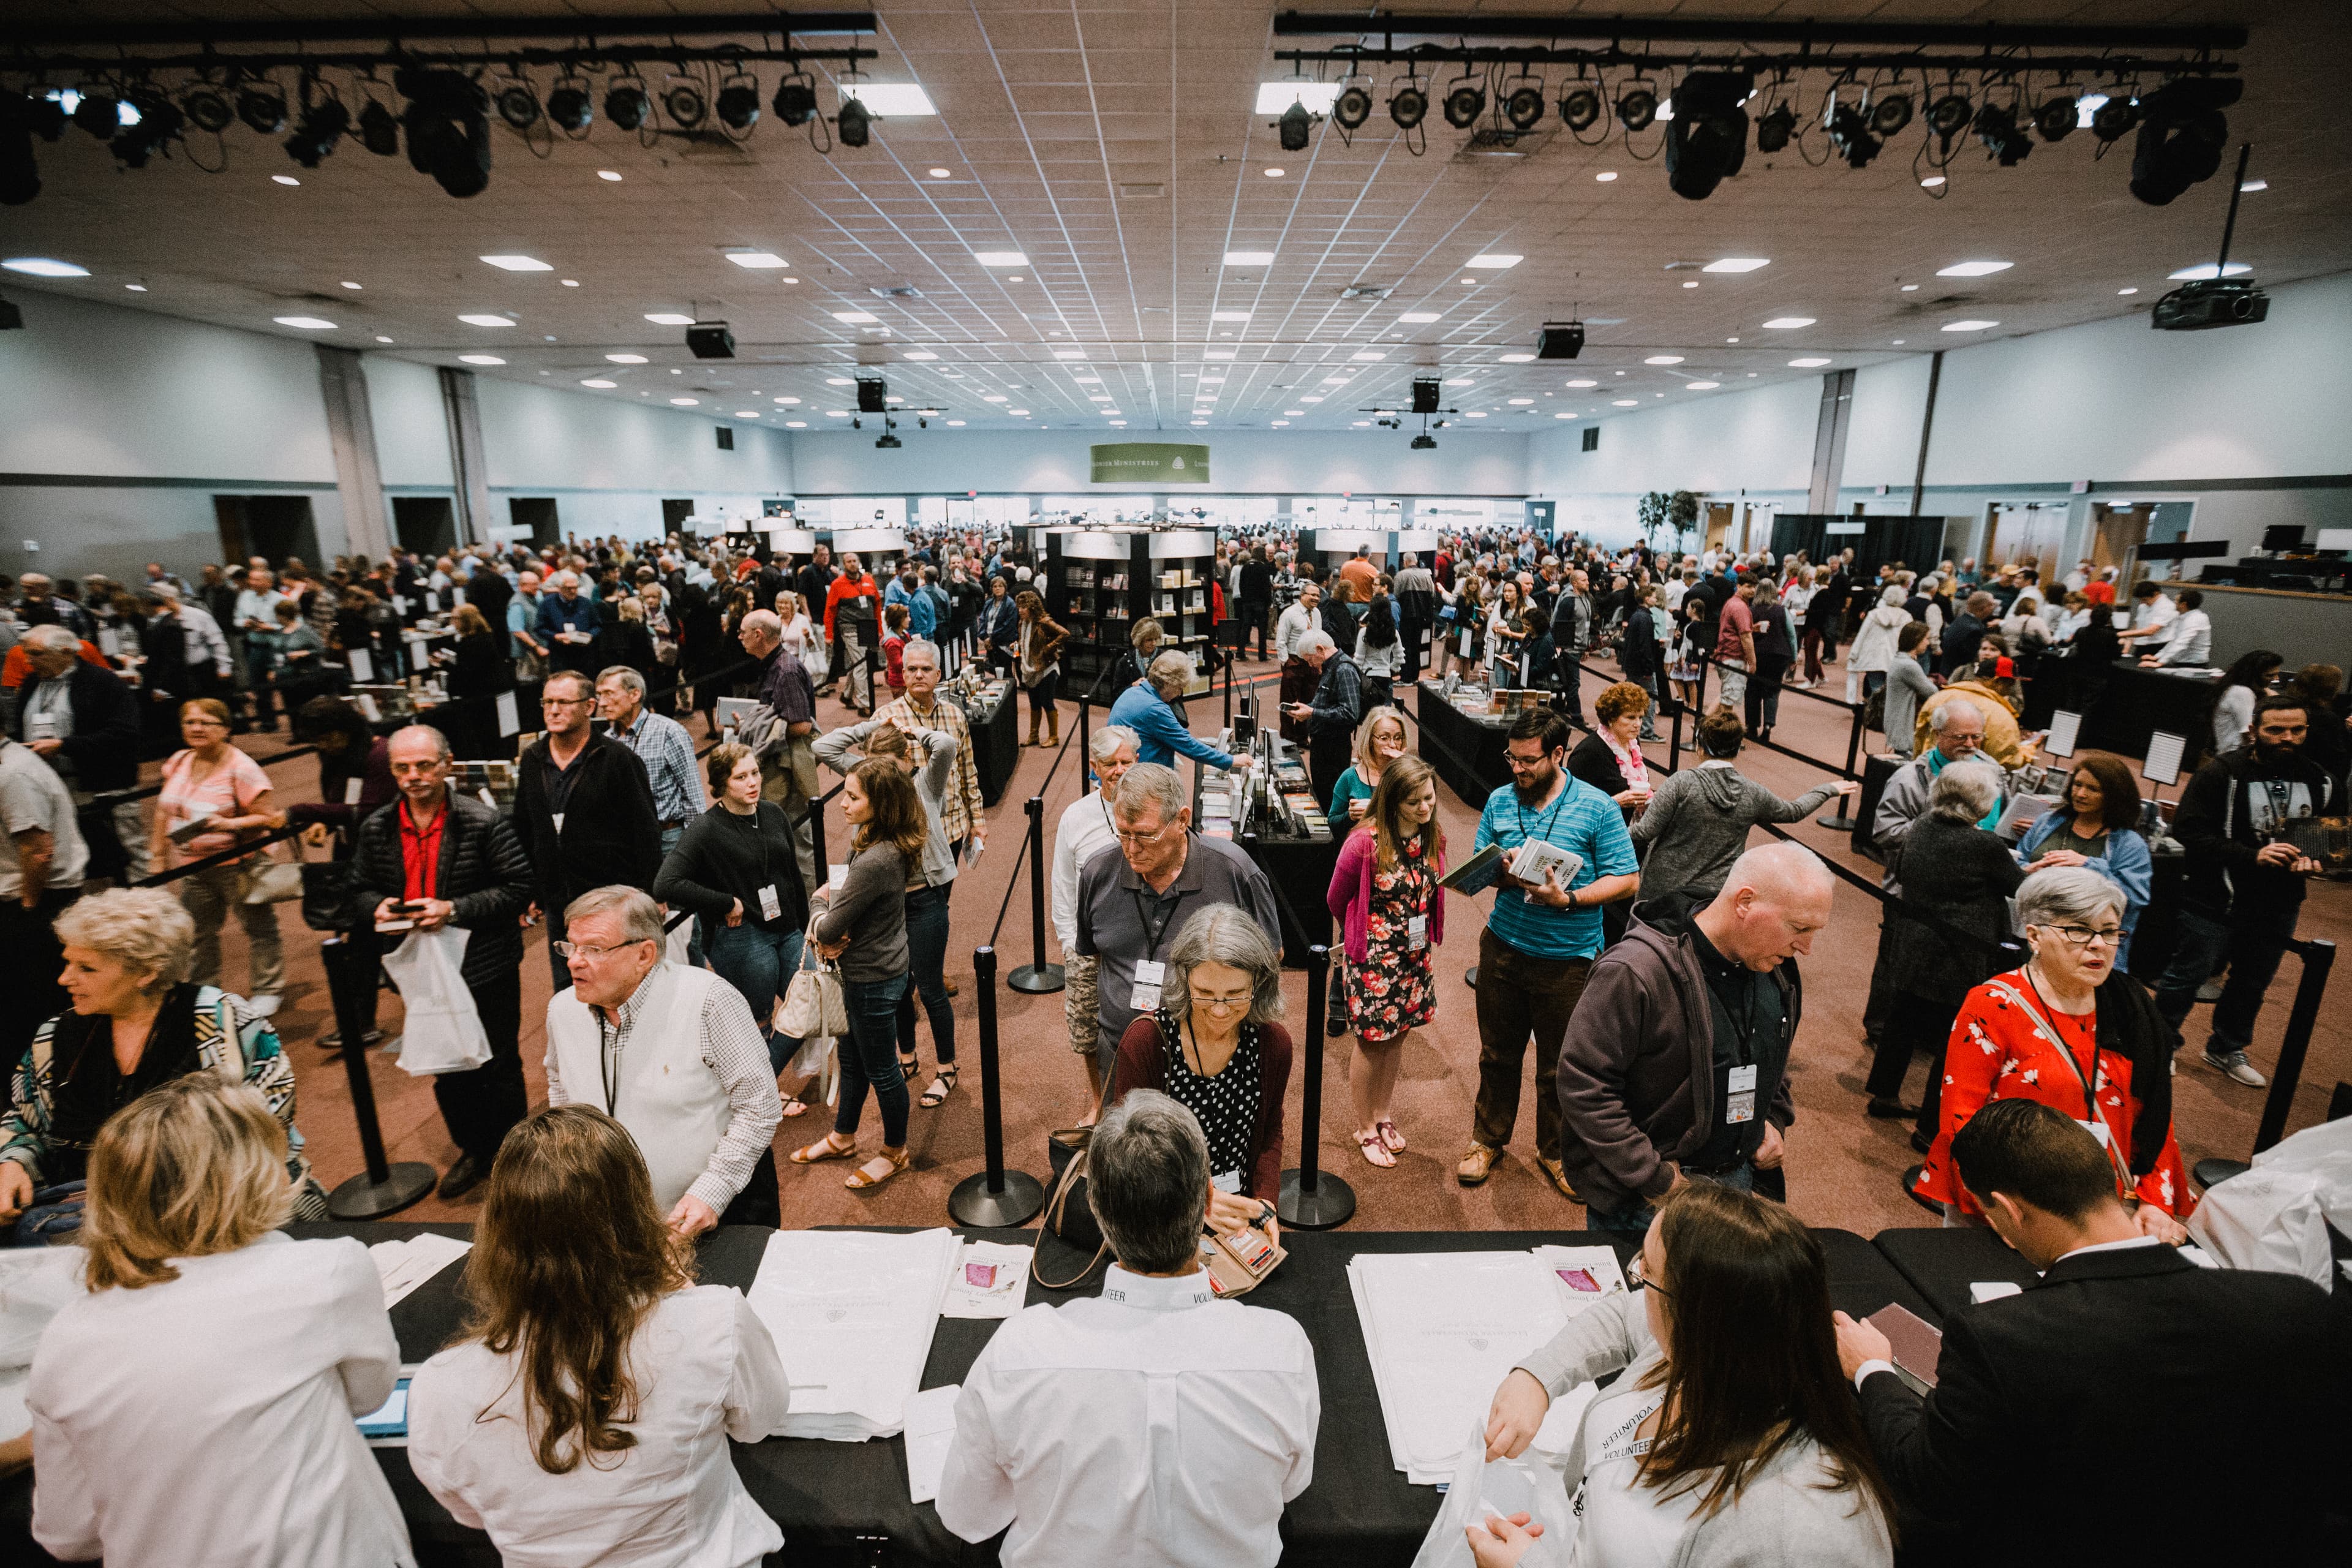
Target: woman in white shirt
[[799, 634], [579, 1284], [1732, 1437], [197, 1406]]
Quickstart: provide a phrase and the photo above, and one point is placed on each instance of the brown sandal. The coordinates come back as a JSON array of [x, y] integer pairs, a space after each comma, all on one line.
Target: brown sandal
[[822, 1149], [860, 1181]]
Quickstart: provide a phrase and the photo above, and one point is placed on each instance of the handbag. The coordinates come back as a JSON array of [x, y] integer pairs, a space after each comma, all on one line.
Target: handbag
[[327, 896], [815, 1003], [1068, 1214], [274, 882]]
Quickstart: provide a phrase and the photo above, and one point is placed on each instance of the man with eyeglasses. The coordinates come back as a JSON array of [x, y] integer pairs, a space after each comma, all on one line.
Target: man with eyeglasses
[[585, 807], [1085, 831], [1131, 903]]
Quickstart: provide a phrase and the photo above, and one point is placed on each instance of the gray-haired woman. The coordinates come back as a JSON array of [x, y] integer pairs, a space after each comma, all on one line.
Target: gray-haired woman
[[1214, 1045]]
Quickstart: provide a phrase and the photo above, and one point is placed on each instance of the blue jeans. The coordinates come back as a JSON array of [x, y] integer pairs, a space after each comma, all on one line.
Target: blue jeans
[[1634, 1218], [695, 952], [927, 953], [761, 964], [868, 1056]]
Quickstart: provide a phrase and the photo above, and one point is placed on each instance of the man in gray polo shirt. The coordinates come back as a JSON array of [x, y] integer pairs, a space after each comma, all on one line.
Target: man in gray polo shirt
[[1134, 900]]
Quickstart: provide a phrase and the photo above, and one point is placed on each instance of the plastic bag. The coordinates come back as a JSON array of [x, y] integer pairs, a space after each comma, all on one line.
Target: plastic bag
[[1529, 1484], [819, 1062], [2275, 1216], [441, 1032]]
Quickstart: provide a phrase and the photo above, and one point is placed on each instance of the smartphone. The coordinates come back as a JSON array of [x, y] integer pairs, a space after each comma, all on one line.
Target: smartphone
[[390, 1418]]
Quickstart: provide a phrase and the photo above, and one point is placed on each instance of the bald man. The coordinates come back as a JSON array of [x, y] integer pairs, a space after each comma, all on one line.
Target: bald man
[[1675, 1064]]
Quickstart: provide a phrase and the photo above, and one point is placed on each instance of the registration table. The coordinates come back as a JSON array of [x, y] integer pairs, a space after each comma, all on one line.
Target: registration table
[[995, 743], [1467, 749]]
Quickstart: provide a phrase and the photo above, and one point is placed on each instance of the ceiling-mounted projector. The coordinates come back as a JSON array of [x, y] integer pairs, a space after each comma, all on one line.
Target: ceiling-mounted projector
[[1561, 340], [2209, 303]]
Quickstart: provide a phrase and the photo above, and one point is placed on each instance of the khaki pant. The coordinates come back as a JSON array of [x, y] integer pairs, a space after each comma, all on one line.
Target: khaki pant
[[1082, 1002], [209, 897]]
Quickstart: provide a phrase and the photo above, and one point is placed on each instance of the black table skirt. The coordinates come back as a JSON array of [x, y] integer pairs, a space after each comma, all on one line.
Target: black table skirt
[[1941, 1265], [1466, 753], [1300, 870], [995, 746], [2137, 702]]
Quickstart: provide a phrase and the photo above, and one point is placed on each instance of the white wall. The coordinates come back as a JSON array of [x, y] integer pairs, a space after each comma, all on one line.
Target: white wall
[[1760, 443], [1243, 462], [412, 431]]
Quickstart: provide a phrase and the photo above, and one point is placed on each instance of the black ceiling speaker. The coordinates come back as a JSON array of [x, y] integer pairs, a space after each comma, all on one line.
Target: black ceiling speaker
[[710, 339], [379, 131], [1407, 106], [1464, 104], [2053, 117], [1774, 130], [873, 394], [1351, 107], [1707, 141], [1580, 107], [1561, 340], [795, 102], [571, 108], [449, 128], [2181, 133], [1425, 389]]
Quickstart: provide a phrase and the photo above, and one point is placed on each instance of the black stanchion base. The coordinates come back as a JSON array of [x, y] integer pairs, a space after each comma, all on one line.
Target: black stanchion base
[[1331, 1203], [1470, 978], [360, 1198], [972, 1203], [1838, 824], [1035, 980]]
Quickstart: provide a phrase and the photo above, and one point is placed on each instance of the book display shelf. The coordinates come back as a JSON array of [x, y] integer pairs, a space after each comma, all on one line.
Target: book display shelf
[[1100, 582]]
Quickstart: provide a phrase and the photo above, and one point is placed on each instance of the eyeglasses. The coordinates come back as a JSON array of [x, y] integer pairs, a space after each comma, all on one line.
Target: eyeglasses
[[2082, 936], [1139, 839], [194, 723], [1221, 1003], [1637, 1275], [580, 949], [567, 701]]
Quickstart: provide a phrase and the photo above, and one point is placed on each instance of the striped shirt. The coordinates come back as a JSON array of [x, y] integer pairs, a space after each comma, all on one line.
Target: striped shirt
[[1581, 820], [667, 753]]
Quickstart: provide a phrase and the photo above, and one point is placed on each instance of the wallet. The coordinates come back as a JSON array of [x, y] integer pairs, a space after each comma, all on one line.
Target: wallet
[[1237, 1263]]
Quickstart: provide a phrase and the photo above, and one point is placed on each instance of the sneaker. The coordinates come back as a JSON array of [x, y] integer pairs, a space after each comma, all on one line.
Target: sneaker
[[2208, 992], [2233, 1065], [263, 1006]]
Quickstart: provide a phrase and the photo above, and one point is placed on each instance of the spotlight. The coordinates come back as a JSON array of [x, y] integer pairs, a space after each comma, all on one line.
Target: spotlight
[[1524, 107], [1707, 141], [1997, 128], [795, 103], [1637, 107], [683, 103], [1294, 125], [2053, 117], [1579, 108], [1889, 113], [2114, 119], [1773, 131], [518, 105], [570, 109], [1425, 443], [322, 125], [99, 113], [1849, 135], [205, 109], [1407, 106], [1351, 107], [888, 443], [2182, 130], [626, 104], [738, 104], [379, 131], [448, 129], [853, 123], [160, 121], [1950, 115], [261, 107], [1464, 105]]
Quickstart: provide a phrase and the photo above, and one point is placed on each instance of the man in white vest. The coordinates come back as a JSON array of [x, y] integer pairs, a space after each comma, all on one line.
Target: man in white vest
[[672, 1054]]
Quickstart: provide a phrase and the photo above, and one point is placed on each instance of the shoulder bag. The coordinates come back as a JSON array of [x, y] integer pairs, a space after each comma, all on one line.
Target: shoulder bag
[[815, 1003]]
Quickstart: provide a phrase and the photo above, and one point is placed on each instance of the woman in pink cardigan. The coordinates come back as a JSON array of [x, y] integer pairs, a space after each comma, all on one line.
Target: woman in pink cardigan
[[1385, 894]]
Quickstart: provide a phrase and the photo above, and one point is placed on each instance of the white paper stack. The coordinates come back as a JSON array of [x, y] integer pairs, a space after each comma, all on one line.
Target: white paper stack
[[931, 1432], [851, 1313], [402, 1266]]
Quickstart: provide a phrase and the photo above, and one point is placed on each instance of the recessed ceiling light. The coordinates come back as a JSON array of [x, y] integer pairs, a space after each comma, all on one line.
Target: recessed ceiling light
[[480, 359], [1420, 316], [1520, 402], [2205, 269], [598, 381], [1973, 268], [1087, 380], [487, 320], [1563, 416], [1018, 412], [1701, 385], [1274, 97], [1606, 175], [757, 260], [285, 179], [1216, 353], [354, 287], [1295, 413], [955, 424], [803, 423], [1584, 384], [1360, 424], [1628, 403], [1478, 414], [668, 318], [519, 264], [2126, 291], [1276, 174], [1517, 359], [788, 402], [1334, 380], [627, 359], [886, 100], [2251, 186], [308, 324], [1738, 263], [1731, 340], [1495, 261], [856, 317], [684, 402], [746, 414], [136, 288], [1809, 363], [1460, 381], [920, 354], [1213, 381], [1229, 315], [837, 414], [613, 174], [1121, 423], [1910, 288], [839, 380], [1690, 285], [1198, 423], [383, 339], [1278, 423], [1968, 326], [1249, 258], [44, 266], [674, 371], [572, 282], [1000, 259], [940, 173], [1316, 398], [995, 397], [1898, 342], [1663, 359], [1069, 353], [1367, 356], [1784, 323], [1932, 180]]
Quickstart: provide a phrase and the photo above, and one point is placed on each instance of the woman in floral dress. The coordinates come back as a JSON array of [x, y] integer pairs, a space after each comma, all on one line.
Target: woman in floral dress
[[1385, 896]]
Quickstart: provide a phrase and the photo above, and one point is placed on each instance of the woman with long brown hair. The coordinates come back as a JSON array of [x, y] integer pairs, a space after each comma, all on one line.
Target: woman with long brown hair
[[1384, 893], [585, 1416], [1732, 1426], [1037, 664]]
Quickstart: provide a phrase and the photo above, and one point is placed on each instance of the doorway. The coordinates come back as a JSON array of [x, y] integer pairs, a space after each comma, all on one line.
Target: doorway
[[675, 515], [272, 527], [534, 521], [425, 525], [2026, 533], [1718, 526]]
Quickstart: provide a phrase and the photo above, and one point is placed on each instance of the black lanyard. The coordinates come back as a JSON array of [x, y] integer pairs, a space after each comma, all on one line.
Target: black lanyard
[[608, 1069], [2097, 1078], [1151, 936], [1544, 821]]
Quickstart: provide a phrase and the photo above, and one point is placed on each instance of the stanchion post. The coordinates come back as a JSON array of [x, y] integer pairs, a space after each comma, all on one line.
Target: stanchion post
[[2318, 957], [383, 1188], [1838, 821], [1675, 740], [1310, 1199], [1037, 977], [996, 1196], [1085, 736]]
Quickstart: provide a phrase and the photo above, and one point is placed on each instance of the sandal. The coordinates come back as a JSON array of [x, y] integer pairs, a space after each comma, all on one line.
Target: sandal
[[1390, 1136], [891, 1164], [1376, 1153], [794, 1104], [824, 1149], [942, 1084], [908, 1067]]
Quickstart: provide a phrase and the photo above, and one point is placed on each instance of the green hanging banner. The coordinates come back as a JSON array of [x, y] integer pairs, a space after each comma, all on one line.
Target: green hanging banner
[[1150, 462]]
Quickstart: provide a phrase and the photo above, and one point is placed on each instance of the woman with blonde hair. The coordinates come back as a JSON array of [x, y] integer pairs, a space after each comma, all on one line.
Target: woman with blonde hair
[[585, 1414], [1385, 894], [196, 1404], [1380, 740]]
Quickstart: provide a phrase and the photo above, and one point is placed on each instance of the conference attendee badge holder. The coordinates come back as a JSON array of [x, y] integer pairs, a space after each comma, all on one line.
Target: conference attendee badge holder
[[558, 817], [352, 788], [836, 876], [770, 906], [362, 666], [1148, 974], [510, 722], [1416, 933], [1739, 1104]]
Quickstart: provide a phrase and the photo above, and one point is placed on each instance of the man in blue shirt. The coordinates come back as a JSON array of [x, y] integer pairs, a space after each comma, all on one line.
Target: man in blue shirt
[[1146, 708], [567, 625], [1540, 938], [922, 615]]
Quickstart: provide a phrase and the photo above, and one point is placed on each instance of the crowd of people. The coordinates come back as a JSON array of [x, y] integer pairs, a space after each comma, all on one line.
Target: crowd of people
[[1641, 962]]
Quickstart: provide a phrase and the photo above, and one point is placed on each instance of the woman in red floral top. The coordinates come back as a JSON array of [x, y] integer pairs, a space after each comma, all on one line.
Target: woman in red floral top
[[2071, 1032], [1385, 894]]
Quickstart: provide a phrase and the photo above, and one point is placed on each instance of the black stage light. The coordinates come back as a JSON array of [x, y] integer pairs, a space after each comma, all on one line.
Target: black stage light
[[1579, 108], [1407, 106], [160, 121], [205, 109], [1774, 130], [1524, 107], [795, 102], [570, 109], [519, 105], [1464, 104], [738, 104], [853, 123], [1850, 136], [1561, 340], [262, 108], [322, 125], [1707, 141], [710, 339], [1425, 443], [1351, 107], [2053, 117], [99, 113], [2113, 119], [1294, 125], [683, 103], [1425, 389], [448, 129], [379, 131], [1997, 128], [873, 394], [626, 104], [1950, 115], [1889, 113], [1637, 107], [888, 443], [2181, 134]]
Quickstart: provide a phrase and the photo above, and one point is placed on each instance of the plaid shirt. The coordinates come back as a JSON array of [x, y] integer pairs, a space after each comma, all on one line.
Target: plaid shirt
[[667, 753], [961, 804]]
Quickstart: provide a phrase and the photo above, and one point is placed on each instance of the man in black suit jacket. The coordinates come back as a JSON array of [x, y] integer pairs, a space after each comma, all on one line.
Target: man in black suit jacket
[[2130, 1407], [585, 809]]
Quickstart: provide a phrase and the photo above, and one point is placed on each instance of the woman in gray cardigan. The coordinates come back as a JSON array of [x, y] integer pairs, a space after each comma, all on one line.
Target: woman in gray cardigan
[[1697, 821], [1732, 1439], [1907, 685]]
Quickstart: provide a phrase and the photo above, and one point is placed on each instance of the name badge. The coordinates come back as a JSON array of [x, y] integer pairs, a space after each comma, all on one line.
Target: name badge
[[1150, 973], [351, 791], [1227, 1182], [1416, 933], [770, 906], [834, 875], [399, 604], [509, 721], [2096, 1128], [1739, 1104], [40, 727], [559, 820]]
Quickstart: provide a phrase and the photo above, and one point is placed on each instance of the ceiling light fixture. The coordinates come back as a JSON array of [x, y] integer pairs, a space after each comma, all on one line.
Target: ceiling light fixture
[[1968, 326], [2056, 118], [1465, 101], [796, 99], [308, 324], [487, 320], [1606, 175], [600, 382], [1316, 97], [1663, 359], [45, 267], [1890, 112], [1495, 261], [1419, 316], [627, 359], [1786, 323], [519, 264], [1351, 107], [1637, 107], [1775, 128], [1407, 106], [853, 123], [1249, 258], [1973, 268], [1294, 128], [1000, 259], [1701, 385], [1809, 362], [480, 359], [1580, 107], [1738, 263]]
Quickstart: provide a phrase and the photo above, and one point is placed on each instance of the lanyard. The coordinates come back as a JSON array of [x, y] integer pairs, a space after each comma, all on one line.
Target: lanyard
[[608, 1069], [1543, 822], [2092, 1083]]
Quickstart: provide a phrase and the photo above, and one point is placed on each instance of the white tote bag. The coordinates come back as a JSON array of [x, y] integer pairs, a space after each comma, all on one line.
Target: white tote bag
[[1529, 1484], [441, 1032]]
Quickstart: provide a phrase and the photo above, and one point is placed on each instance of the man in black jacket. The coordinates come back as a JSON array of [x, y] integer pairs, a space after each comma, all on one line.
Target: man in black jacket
[[1255, 607], [584, 808], [455, 862], [84, 722], [2036, 1438]]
